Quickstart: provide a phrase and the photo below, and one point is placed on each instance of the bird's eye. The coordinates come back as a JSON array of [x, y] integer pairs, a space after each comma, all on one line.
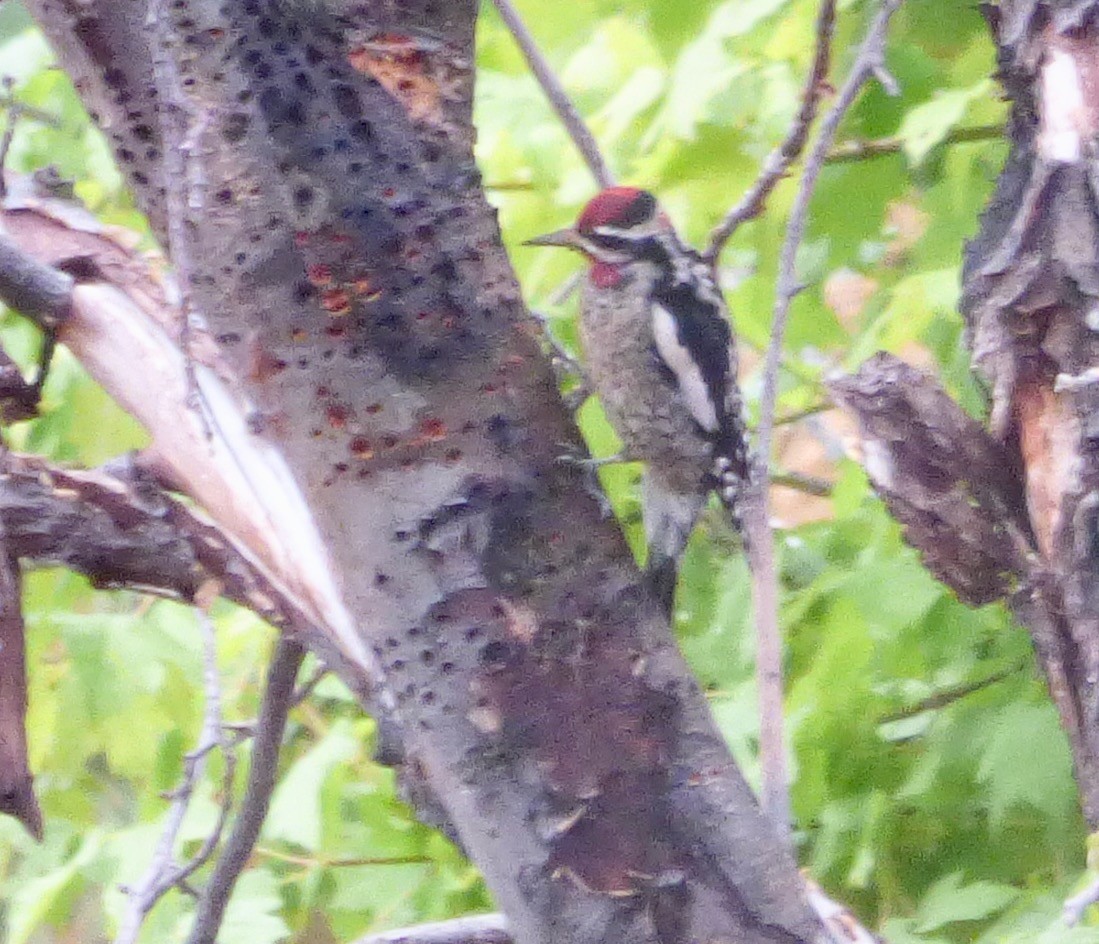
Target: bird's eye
[[640, 210]]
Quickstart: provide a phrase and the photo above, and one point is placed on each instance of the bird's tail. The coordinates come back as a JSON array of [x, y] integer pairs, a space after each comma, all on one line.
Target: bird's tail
[[670, 516]]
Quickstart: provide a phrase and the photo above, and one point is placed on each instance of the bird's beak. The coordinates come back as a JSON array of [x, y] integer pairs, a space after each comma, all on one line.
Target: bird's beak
[[567, 237]]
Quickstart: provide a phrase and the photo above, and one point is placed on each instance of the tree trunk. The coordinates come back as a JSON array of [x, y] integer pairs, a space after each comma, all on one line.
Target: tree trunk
[[330, 227]]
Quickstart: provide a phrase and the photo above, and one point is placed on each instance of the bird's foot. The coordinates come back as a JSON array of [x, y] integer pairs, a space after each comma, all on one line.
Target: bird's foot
[[589, 466], [566, 367]]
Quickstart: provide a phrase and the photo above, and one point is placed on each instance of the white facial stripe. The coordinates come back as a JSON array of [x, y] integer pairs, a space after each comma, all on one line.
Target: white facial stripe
[[691, 384]]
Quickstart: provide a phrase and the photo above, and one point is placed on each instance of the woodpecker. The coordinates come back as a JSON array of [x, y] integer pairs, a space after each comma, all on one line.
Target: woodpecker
[[660, 353]]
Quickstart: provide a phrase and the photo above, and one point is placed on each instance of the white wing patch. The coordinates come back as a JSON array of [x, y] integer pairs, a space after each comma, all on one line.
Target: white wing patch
[[691, 383]]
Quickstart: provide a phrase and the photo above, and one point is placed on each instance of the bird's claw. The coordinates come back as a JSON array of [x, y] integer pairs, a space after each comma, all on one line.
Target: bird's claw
[[575, 456], [565, 365], [589, 466]]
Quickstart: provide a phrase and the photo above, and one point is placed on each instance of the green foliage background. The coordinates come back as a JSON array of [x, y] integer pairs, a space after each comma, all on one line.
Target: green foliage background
[[939, 816]]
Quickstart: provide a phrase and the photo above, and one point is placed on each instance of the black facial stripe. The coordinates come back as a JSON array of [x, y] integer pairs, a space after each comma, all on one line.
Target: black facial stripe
[[639, 247]]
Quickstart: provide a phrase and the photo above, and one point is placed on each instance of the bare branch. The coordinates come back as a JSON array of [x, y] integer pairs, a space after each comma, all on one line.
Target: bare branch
[[951, 486], [163, 874], [948, 696], [126, 333], [780, 159], [579, 132], [760, 540], [132, 535], [799, 415], [343, 862], [38, 291], [800, 482], [847, 152], [306, 688], [216, 734], [16, 791], [473, 929], [16, 111], [868, 64], [759, 545], [278, 698], [1074, 908]]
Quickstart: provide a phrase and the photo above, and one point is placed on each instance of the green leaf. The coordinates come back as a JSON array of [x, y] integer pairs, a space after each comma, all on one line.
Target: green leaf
[[36, 903], [295, 814], [952, 900], [928, 124], [1026, 761], [253, 913]]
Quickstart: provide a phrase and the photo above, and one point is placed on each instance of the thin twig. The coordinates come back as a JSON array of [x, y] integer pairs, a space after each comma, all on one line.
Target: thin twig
[[9, 133], [800, 482], [555, 92], [948, 696], [16, 781], [23, 110], [278, 698], [760, 544], [345, 863], [17, 111], [163, 874], [229, 762], [867, 64], [306, 688], [798, 415], [1073, 911], [780, 159], [849, 151]]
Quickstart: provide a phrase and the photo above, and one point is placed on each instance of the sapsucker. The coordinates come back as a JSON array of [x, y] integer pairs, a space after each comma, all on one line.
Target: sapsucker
[[660, 353]]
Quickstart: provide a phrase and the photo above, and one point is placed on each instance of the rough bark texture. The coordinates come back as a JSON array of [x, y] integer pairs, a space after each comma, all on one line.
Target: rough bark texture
[[1031, 301], [123, 532], [952, 486], [1014, 512], [961, 500], [343, 253]]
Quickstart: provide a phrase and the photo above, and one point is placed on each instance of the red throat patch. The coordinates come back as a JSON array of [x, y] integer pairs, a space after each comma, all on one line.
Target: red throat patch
[[605, 274]]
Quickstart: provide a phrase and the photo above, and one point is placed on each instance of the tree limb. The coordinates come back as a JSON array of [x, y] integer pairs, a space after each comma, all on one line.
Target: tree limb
[[38, 291], [163, 874], [570, 118], [278, 698], [779, 160], [847, 152], [760, 540], [357, 286], [16, 782]]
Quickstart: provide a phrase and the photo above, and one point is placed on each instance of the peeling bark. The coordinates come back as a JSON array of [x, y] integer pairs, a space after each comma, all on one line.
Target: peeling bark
[[353, 275], [960, 496], [952, 486], [1031, 302], [1014, 512]]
